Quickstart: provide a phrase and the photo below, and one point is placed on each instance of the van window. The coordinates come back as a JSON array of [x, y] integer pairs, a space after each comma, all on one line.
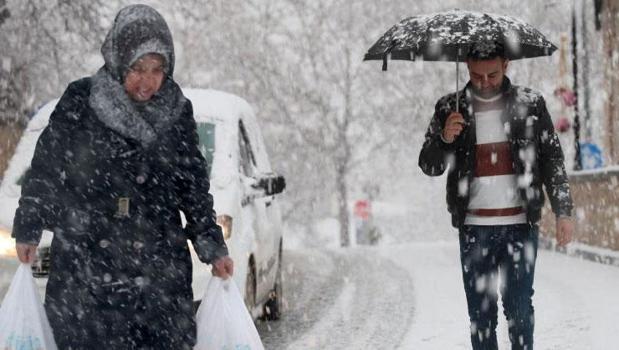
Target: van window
[[206, 144], [248, 161]]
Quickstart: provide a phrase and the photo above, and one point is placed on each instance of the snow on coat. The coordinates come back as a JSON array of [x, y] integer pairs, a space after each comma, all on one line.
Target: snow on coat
[[536, 151], [120, 269]]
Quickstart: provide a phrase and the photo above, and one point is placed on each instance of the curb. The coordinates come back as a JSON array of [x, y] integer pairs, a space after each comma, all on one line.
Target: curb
[[582, 251]]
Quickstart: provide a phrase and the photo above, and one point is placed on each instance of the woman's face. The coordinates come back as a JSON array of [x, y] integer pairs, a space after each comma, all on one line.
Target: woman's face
[[145, 77]]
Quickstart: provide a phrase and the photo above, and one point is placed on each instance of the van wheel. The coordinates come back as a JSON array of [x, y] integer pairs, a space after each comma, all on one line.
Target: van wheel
[[250, 285], [273, 306]]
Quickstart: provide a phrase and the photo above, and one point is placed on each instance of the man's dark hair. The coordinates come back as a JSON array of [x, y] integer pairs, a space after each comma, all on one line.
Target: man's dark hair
[[486, 50]]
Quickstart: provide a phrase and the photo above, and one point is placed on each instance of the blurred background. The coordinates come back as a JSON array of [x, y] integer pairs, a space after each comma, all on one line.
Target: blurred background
[[339, 129]]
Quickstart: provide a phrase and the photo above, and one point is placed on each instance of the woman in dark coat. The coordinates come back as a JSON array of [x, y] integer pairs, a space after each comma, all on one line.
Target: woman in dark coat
[[117, 162]]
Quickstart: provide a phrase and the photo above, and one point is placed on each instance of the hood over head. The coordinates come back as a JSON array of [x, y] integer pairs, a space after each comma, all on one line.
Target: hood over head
[[137, 30]]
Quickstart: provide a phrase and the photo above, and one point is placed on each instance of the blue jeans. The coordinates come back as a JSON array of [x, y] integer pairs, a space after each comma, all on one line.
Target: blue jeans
[[508, 251]]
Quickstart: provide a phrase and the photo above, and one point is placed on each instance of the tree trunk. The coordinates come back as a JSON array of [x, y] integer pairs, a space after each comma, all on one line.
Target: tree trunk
[[342, 201], [343, 163]]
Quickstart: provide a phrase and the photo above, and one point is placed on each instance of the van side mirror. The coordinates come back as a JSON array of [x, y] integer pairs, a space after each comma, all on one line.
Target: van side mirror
[[272, 184]]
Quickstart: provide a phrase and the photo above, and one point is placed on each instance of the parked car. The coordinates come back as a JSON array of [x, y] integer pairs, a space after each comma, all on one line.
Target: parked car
[[243, 185]]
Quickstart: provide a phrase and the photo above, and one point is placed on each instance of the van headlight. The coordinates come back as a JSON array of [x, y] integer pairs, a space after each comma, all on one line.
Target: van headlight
[[225, 222], [7, 244]]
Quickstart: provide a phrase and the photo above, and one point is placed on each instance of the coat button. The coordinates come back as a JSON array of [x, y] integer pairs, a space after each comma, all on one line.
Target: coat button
[[140, 179]]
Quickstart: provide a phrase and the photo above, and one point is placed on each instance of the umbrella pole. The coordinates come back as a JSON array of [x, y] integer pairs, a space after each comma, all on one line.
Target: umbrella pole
[[458, 82], [457, 87]]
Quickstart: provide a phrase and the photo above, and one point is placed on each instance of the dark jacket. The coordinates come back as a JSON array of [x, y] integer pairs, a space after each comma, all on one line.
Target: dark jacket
[[535, 147], [104, 263]]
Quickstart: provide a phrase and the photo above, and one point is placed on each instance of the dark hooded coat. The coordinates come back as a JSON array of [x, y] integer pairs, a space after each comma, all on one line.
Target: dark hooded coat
[[109, 177]]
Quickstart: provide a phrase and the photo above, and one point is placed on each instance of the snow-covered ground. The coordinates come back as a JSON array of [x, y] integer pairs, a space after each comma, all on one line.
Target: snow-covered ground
[[341, 298], [575, 300], [407, 292], [410, 296]]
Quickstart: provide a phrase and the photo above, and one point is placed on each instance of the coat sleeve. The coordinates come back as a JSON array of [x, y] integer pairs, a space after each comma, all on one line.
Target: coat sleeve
[[552, 164], [196, 202], [43, 187], [433, 155]]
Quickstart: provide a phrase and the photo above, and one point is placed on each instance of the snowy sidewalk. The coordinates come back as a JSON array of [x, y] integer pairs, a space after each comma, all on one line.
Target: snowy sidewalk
[[575, 300]]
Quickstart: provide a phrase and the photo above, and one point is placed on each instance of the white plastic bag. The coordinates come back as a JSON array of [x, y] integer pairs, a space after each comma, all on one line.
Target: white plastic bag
[[223, 320], [23, 322]]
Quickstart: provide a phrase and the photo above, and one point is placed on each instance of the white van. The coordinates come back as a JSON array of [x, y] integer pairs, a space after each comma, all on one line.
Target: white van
[[242, 183]]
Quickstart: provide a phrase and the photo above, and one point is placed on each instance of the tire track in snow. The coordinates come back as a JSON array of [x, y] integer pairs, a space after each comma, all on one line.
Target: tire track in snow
[[362, 302]]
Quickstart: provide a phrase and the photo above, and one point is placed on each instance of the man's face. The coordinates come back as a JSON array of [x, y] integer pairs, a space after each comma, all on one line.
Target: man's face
[[487, 75], [145, 77]]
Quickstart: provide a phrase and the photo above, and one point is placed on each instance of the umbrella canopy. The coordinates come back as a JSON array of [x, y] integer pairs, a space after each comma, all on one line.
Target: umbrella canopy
[[448, 36]]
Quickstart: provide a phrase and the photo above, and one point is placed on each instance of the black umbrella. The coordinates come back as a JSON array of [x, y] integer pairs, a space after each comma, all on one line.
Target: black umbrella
[[448, 36]]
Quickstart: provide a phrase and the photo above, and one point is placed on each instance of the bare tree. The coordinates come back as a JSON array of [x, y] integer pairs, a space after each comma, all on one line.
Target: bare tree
[[4, 12], [300, 63], [46, 45], [332, 122]]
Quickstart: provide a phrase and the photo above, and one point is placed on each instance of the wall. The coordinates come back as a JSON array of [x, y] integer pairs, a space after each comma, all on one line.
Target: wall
[[596, 208]]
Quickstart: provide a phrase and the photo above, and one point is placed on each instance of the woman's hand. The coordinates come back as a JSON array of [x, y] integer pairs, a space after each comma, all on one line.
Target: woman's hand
[[223, 267], [26, 253]]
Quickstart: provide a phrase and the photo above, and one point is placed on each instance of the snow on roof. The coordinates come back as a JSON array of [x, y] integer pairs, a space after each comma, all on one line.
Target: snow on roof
[[227, 108], [208, 103]]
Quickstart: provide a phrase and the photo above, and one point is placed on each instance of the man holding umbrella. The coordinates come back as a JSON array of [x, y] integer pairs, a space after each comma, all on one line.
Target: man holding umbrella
[[498, 141], [501, 148]]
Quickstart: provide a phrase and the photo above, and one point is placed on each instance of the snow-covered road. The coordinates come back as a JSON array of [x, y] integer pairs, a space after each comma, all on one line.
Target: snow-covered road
[[342, 300], [410, 296]]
